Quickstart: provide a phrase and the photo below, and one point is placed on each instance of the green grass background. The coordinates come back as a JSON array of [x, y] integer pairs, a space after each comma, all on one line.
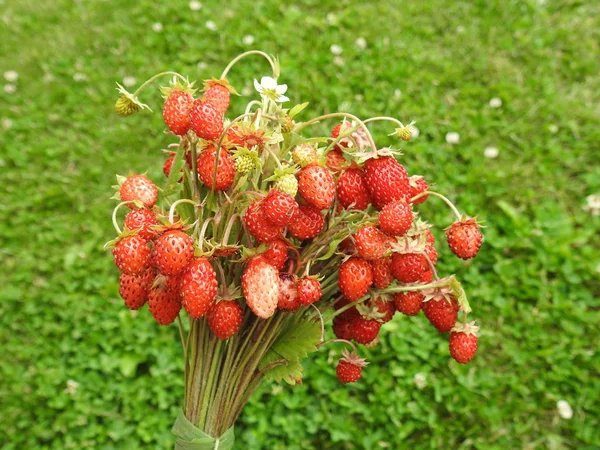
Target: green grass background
[[534, 287]]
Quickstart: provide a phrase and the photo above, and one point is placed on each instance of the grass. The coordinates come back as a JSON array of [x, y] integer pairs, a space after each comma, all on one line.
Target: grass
[[534, 286]]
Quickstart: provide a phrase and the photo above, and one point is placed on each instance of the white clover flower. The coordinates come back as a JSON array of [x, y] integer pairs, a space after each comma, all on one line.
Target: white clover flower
[[71, 388], [11, 75], [331, 18], [553, 128], [420, 380], [338, 61], [248, 39], [128, 81], [460, 29], [593, 204], [269, 88], [48, 77], [7, 123], [336, 49], [453, 137], [495, 102], [211, 25], [201, 65], [397, 93], [195, 5], [414, 131], [491, 152], [564, 409], [361, 43], [157, 27], [10, 88], [80, 77]]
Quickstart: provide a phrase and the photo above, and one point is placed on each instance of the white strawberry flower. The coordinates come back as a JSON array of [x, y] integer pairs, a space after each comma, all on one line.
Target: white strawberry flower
[[269, 88]]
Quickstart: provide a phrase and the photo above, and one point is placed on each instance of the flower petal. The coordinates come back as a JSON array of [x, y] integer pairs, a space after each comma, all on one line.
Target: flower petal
[[268, 83], [281, 89], [257, 86], [282, 99]]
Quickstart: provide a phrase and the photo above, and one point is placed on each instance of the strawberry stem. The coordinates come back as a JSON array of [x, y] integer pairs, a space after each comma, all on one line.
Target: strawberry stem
[[251, 52], [178, 202], [436, 194], [385, 118], [322, 322], [158, 75], [114, 215], [431, 266], [343, 341]]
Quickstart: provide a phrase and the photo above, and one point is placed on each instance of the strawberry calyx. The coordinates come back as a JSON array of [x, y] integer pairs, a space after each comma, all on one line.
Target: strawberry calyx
[[353, 358], [408, 244], [122, 235], [128, 103], [220, 82], [176, 85], [403, 132], [169, 226], [370, 311], [362, 157], [469, 328]]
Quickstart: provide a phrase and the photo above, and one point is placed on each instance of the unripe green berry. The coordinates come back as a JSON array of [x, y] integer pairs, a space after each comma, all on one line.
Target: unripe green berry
[[125, 106], [288, 184], [304, 154], [288, 124], [244, 164]]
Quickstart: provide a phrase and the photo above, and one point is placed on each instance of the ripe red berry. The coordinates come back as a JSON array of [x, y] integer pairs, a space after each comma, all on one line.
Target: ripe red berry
[[139, 187], [288, 293], [206, 163], [176, 111], [259, 226], [164, 305], [335, 161], [463, 342], [349, 368], [370, 243], [386, 180], [134, 288], [309, 290], [352, 190], [217, 94], [385, 307], [364, 331], [132, 255], [316, 186], [355, 278], [417, 185], [173, 251], [277, 254], [280, 208], [342, 328], [382, 272], [198, 287], [441, 311], [308, 224], [225, 318], [142, 220], [464, 238], [396, 218], [206, 121], [408, 303], [260, 286], [409, 267]]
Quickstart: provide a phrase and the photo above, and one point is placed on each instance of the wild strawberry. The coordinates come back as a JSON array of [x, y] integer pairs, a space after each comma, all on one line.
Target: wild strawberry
[[132, 255], [206, 121], [277, 254], [431, 253], [206, 163], [259, 226], [173, 251], [355, 278], [417, 185], [342, 328], [176, 111], [217, 93], [464, 238], [427, 277], [316, 186], [304, 155], [164, 305], [364, 331], [408, 303], [260, 285], [280, 208], [139, 187], [386, 308], [198, 287], [349, 368], [141, 220], [370, 243], [225, 318], [409, 267], [440, 308], [347, 246], [134, 288], [288, 293], [352, 190], [309, 290], [288, 184], [382, 272], [335, 161], [335, 133], [396, 218], [349, 313], [308, 224], [463, 342], [386, 180]]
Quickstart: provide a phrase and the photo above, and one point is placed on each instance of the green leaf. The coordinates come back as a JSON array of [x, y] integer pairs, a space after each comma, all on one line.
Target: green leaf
[[297, 109]]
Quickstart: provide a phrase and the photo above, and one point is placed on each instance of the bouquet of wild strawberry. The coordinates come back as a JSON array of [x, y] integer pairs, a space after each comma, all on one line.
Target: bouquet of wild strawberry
[[264, 234]]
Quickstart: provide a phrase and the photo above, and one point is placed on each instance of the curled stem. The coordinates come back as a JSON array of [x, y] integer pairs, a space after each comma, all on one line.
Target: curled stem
[[445, 199], [158, 75], [251, 52], [322, 322], [114, 215], [385, 118], [343, 341], [178, 202]]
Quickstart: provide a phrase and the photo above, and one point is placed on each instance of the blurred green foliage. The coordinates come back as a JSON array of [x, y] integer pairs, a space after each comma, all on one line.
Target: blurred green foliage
[[80, 371]]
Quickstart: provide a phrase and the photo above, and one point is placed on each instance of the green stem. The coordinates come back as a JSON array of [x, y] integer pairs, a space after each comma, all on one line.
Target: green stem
[[445, 199], [150, 80], [208, 392], [251, 52]]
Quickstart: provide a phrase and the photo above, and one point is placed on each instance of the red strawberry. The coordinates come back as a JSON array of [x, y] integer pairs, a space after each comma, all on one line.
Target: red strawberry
[[316, 186], [349, 368], [139, 187], [417, 185], [355, 278], [408, 303], [141, 220], [349, 313], [308, 224], [134, 288], [335, 161], [277, 254], [427, 277], [370, 243], [280, 208], [288, 293], [386, 307], [206, 120], [386, 180], [364, 331], [260, 285], [217, 93], [352, 190], [173, 251], [164, 305], [409, 267], [396, 218], [441, 311], [168, 164], [342, 328], [132, 255], [347, 246], [382, 272], [259, 226], [198, 287], [335, 133], [309, 290], [463, 342], [225, 319], [206, 168], [432, 253], [464, 238], [176, 111]]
